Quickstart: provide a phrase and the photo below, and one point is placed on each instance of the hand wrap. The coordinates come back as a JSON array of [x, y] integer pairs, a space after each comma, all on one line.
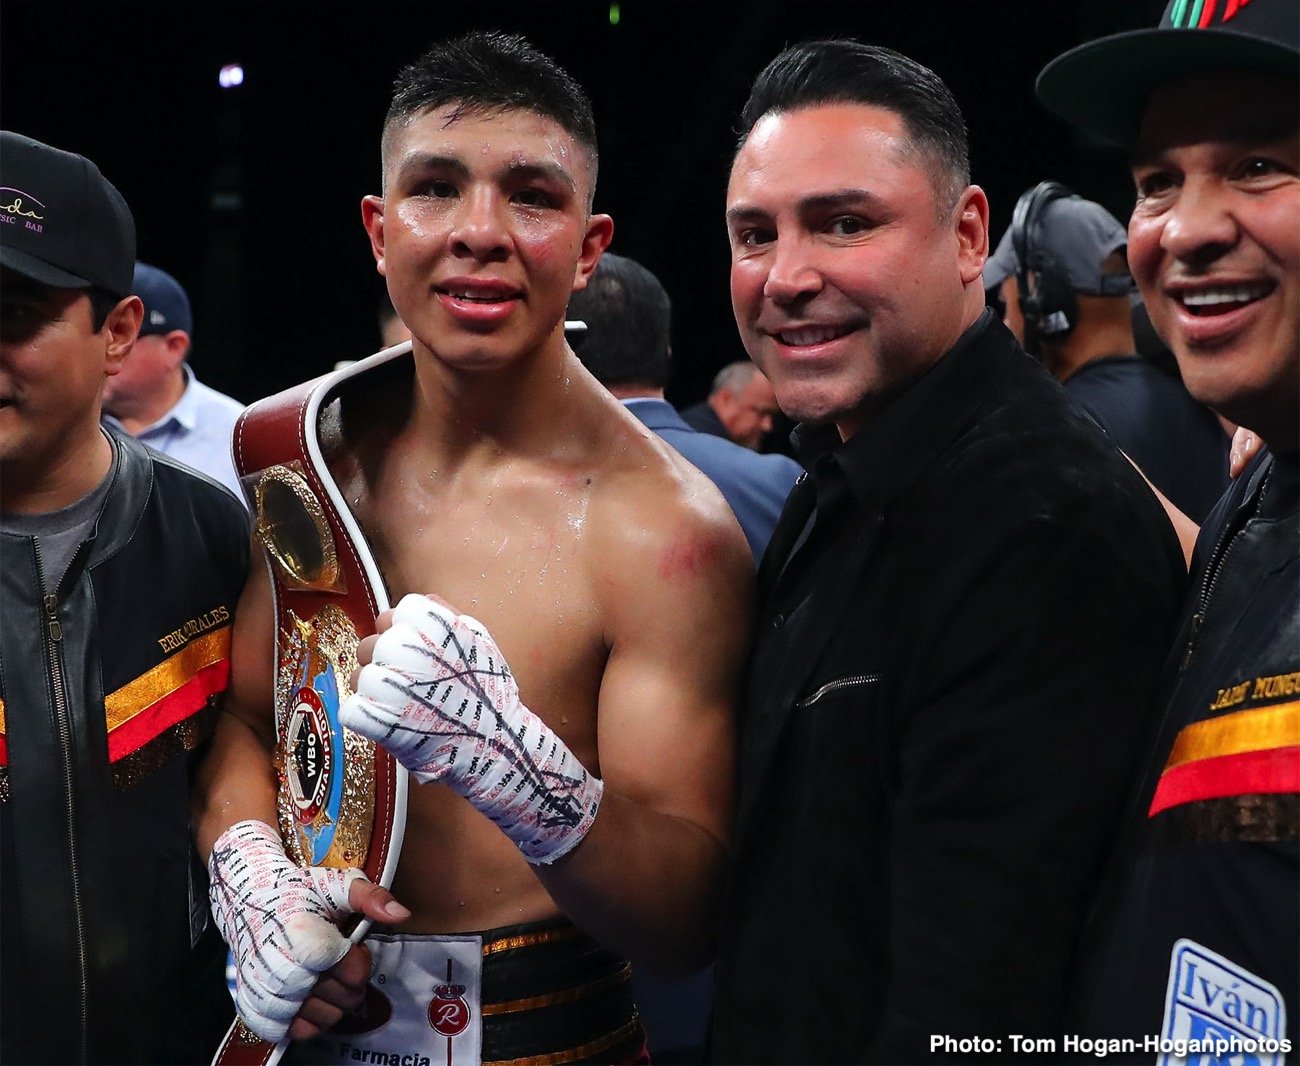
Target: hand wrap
[[439, 696], [279, 920]]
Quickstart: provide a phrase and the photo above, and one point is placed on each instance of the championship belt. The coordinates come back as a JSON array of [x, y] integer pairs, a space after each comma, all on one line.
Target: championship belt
[[341, 799]]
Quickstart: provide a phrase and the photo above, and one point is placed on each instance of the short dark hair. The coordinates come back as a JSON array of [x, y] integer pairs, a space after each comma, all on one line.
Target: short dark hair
[[484, 71], [102, 303], [628, 316], [845, 71]]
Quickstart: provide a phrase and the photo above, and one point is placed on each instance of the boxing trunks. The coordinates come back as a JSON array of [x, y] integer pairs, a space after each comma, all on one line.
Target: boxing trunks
[[525, 995]]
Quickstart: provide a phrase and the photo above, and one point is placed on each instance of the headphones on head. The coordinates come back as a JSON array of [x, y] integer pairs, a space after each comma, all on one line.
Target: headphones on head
[[1047, 301]]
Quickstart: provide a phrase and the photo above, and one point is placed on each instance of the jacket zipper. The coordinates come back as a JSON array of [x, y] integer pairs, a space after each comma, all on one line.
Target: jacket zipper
[[54, 658], [1217, 557], [1151, 769], [834, 686]]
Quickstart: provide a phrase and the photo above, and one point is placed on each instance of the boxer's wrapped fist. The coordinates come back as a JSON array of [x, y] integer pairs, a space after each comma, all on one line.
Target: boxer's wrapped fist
[[439, 696], [279, 920]]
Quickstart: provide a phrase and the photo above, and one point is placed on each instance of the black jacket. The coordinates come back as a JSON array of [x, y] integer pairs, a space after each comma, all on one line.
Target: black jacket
[[1210, 864], [108, 686], [950, 679]]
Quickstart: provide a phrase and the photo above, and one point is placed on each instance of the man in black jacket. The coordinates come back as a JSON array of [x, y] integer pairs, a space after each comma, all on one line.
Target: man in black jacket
[[1197, 933], [121, 573], [964, 606]]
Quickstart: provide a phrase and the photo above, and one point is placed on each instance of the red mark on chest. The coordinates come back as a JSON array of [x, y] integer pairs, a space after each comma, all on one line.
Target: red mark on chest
[[686, 558]]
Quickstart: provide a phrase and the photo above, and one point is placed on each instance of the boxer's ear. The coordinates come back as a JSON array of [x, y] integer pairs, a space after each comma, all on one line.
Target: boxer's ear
[[600, 231], [372, 217]]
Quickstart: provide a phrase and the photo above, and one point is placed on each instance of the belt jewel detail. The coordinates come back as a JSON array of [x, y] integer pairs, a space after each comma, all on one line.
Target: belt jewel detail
[[326, 797], [291, 524]]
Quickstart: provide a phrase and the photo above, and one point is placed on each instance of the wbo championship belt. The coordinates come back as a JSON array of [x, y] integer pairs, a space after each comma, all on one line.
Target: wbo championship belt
[[341, 799]]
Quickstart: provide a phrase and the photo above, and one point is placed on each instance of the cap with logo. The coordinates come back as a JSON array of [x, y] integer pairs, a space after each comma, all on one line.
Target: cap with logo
[[1077, 236], [62, 223], [166, 306], [1103, 86]]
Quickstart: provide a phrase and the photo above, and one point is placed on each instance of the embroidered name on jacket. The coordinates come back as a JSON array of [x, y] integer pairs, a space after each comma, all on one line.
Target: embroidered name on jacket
[[178, 638]]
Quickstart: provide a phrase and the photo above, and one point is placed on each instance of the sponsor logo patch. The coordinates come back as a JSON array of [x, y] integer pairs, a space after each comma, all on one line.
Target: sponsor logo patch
[[449, 1014], [1210, 998]]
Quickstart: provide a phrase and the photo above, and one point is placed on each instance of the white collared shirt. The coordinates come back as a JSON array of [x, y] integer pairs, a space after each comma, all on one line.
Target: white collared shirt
[[197, 431]]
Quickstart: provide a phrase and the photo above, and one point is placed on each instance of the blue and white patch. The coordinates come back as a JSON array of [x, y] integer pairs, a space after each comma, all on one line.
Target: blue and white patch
[[1211, 1002]]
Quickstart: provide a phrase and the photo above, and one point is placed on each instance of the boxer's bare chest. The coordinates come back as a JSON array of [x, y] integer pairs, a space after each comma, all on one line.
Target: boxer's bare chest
[[509, 544], [508, 538]]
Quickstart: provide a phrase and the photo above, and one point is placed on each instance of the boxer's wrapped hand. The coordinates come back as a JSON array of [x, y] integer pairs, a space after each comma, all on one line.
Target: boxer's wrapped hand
[[439, 696], [279, 920]]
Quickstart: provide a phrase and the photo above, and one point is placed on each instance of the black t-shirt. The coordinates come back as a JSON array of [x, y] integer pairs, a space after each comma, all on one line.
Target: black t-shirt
[[1175, 441]]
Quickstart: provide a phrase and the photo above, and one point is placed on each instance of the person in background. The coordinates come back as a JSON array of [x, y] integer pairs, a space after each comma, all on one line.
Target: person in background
[[156, 397], [740, 406], [628, 315], [1196, 929], [963, 609], [121, 573], [1064, 282]]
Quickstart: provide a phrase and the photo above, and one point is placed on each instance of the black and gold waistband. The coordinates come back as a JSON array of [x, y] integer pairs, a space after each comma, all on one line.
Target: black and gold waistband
[[552, 995]]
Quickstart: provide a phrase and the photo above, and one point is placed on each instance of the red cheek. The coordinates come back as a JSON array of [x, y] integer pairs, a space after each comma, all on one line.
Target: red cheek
[[687, 558]]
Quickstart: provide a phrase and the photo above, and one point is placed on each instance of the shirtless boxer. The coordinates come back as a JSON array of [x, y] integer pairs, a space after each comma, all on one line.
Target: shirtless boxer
[[605, 571]]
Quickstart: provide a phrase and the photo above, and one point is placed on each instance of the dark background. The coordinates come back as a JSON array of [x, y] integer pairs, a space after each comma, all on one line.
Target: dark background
[[250, 195]]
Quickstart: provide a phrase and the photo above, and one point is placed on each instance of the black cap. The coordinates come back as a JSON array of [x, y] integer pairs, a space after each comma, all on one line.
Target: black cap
[[1103, 86], [61, 221]]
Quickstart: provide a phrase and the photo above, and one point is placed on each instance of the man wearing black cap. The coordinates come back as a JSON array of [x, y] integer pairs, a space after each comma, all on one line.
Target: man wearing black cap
[[1195, 936], [108, 675], [156, 396], [1064, 283]]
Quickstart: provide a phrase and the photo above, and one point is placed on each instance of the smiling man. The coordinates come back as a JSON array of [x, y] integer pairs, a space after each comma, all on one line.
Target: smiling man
[[609, 574], [1197, 930], [962, 612]]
